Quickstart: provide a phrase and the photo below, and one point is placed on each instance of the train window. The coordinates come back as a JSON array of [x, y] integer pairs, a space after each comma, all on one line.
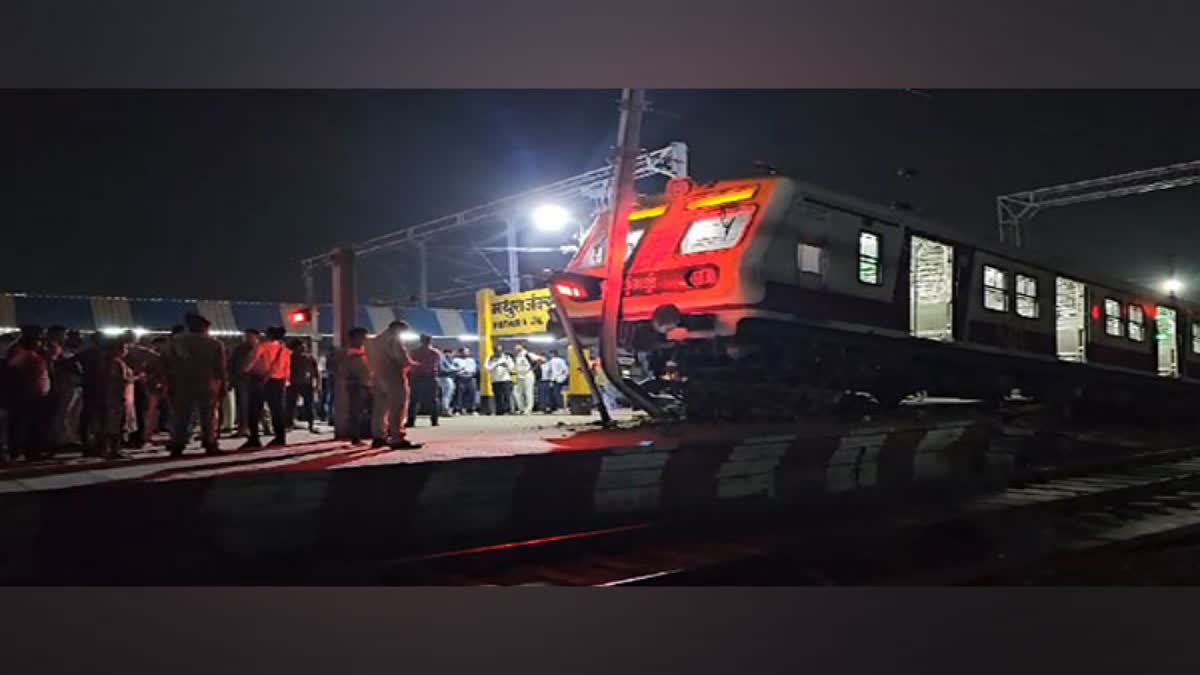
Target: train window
[[1196, 337], [1137, 329], [717, 232], [596, 254], [868, 258], [1027, 296], [995, 289], [809, 258], [1112, 317]]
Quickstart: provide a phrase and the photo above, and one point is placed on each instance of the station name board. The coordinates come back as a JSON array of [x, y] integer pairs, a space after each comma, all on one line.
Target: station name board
[[521, 313]]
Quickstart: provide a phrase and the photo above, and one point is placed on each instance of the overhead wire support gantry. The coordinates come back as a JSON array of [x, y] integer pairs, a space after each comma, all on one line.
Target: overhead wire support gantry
[[1014, 210]]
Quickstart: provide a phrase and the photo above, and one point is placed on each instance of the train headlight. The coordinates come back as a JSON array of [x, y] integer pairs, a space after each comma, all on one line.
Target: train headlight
[[716, 232]]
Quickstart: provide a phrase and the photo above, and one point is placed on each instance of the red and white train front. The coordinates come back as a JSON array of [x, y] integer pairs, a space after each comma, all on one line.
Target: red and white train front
[[695, 262]]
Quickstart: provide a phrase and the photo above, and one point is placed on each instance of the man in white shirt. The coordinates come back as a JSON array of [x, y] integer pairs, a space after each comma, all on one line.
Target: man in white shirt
[[464, 381], [554, 378], [501, 366], [524, 381]]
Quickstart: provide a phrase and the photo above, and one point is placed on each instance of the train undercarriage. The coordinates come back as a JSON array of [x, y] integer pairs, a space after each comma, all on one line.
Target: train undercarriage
[[773, 370]]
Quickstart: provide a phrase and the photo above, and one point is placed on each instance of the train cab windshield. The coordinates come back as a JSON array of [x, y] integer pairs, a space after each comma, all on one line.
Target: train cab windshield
[[596, 239]]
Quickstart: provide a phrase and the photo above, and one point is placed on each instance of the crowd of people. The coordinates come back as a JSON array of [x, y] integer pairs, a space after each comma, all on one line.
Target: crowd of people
[[105, 394]]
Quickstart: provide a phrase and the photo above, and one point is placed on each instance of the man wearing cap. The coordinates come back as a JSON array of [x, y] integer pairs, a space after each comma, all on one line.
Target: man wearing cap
[[194, 366], [389, 362]]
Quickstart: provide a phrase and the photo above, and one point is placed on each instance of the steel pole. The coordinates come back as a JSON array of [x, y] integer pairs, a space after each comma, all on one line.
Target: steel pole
[[514, 270], [423, 270], [310, 300], [632, 104]]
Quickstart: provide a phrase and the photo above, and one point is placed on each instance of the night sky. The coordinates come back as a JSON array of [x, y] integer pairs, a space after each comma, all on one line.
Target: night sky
[[219, 194]]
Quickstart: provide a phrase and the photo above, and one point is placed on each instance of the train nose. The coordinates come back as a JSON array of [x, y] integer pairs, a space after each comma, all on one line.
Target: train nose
[[666, 318]]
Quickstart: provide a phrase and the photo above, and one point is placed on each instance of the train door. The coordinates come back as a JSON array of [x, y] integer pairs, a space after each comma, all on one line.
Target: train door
[[1070, 314], [1167, 321], [931, 290]]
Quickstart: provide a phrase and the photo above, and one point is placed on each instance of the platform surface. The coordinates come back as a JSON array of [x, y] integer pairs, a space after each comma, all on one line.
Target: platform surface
[[455, 438]]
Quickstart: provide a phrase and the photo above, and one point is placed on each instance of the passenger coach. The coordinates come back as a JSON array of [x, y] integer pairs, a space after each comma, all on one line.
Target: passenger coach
[[771, 289]]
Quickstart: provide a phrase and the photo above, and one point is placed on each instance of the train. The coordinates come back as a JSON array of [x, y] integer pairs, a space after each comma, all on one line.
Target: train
[[775, 295]]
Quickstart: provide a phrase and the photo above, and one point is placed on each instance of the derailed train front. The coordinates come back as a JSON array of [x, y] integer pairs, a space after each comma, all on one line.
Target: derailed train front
[[696, 262]]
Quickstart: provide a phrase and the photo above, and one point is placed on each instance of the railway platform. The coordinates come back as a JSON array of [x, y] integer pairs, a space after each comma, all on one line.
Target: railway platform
[[267, 514]]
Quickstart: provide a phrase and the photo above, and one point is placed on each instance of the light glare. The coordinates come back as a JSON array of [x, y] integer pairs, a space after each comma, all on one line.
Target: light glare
[[550, 217]]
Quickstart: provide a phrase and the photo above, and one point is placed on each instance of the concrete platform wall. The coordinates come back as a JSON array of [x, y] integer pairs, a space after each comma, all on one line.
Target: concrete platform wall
[[279, 523]]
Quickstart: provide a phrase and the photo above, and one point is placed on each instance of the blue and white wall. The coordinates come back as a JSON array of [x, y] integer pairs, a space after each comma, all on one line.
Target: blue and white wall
[[228, 317]]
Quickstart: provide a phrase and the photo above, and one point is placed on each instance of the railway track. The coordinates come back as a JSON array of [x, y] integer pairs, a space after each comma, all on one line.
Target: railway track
[[1071, 510]]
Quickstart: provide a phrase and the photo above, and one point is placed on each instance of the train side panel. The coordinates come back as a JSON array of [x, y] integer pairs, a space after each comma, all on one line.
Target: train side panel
[[1119, 333], [1009, 305], [814, 267]]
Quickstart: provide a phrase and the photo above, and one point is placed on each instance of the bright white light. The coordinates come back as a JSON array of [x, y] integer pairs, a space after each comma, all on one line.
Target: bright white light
[[467, 337], [1172, 285], [139, 332], [409, 336], [112, 331], [542, 339], [550, 217]]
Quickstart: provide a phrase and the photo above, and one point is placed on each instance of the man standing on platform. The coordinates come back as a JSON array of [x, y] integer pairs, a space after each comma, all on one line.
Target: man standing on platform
[[500, 365], [194, 366], [269, 369], [523, 387], [353, 371], [447, 374], [425, 382], [390, 363], [554, 378], [240, 358], [303, 386], [466, 370]]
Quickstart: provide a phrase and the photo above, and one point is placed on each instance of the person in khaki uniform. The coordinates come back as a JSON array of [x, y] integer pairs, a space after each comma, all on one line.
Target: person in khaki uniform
[[194, 365], [389, 362]]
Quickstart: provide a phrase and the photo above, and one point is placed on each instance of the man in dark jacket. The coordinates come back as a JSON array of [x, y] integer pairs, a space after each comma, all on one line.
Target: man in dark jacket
[[424, 381], [240, 382], [303, 386]]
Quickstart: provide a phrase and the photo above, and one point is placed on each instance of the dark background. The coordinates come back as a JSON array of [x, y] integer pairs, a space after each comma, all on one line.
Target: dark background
[[359, 43], [220, 193]]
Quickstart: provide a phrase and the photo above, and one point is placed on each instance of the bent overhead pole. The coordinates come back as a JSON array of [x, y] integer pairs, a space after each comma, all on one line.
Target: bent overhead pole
[[632, 104], [1014, 210]]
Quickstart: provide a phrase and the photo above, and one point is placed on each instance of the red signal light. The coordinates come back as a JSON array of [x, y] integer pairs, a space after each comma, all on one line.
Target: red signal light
[[1096, 312], [299, 316], [1151, 312]]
